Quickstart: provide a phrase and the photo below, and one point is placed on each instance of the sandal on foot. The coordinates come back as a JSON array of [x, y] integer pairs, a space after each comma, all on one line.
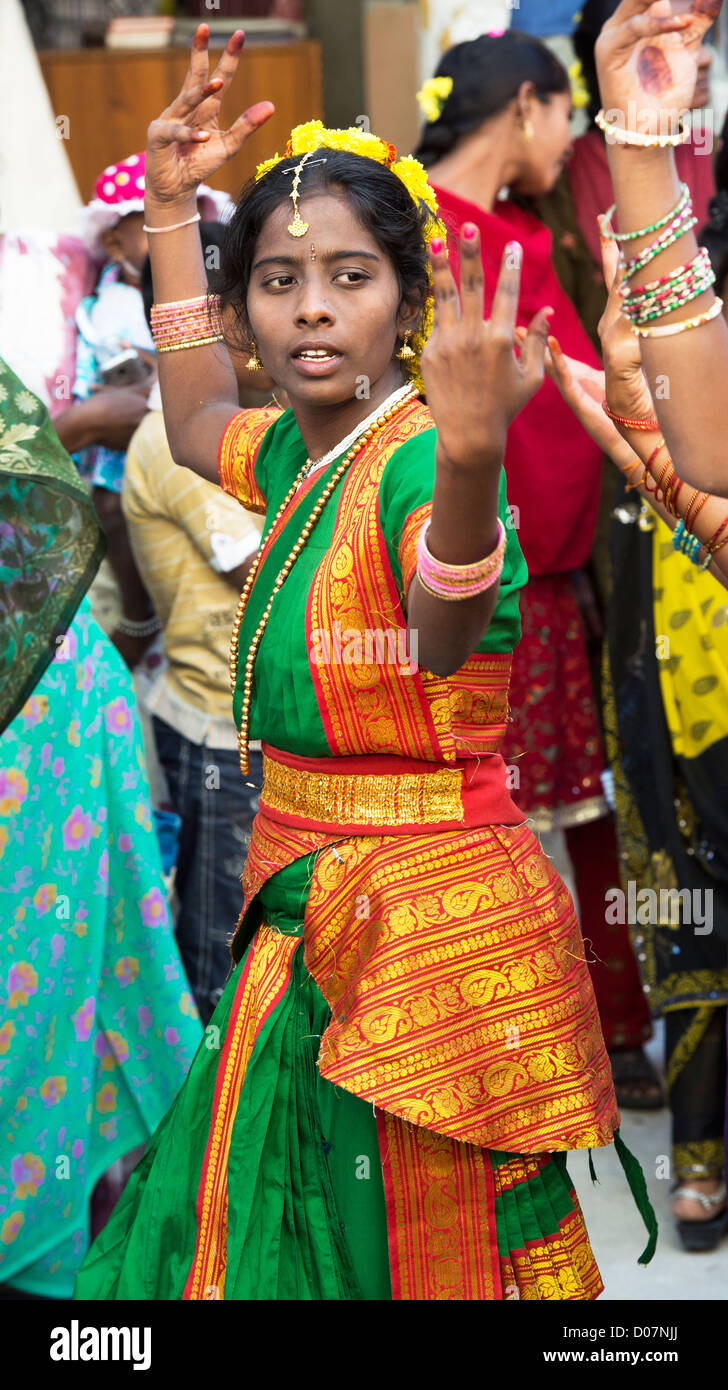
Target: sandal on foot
[[703, 1235], [636, 1082]]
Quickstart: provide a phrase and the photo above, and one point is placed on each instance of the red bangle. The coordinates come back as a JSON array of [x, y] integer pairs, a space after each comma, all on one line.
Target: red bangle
[[701, 503], [713, 553], [714, 537], [675, 495], [630, 424], [654, 454]]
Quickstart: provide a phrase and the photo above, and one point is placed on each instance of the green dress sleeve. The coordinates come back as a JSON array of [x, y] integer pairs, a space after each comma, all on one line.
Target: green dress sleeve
[[405, 505]]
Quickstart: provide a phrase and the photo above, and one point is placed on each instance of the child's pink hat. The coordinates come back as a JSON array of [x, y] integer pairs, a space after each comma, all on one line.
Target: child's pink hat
[[119, 190]]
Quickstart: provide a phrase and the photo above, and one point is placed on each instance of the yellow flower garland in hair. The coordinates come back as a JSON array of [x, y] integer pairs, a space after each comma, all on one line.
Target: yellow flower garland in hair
[[579, 90], [314, 135], [432, 96]]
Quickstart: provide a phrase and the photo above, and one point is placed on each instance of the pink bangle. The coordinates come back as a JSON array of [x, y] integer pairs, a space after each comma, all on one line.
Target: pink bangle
[[456, 582], [186, 322]]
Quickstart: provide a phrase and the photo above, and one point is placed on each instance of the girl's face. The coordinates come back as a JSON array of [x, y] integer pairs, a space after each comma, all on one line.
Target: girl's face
[[323, 308], [542, 159]]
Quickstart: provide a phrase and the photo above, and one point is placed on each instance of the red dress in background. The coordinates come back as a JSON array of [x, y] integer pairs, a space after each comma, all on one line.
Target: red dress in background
[[553, 471]]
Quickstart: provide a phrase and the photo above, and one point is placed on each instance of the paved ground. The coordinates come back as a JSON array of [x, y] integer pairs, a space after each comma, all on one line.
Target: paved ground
[[615, 1226]]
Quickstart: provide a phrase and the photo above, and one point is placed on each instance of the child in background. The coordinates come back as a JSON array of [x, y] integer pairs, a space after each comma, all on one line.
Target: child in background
[[108, 321]]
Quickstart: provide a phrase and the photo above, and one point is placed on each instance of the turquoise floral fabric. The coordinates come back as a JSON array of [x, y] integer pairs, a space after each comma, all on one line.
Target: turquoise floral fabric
[[97, 1024]]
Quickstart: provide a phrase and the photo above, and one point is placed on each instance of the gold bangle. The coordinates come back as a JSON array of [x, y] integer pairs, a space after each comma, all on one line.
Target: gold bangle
[[191, 342]]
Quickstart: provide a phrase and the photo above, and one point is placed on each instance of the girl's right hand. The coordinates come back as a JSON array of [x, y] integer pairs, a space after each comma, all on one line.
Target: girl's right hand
[[185, 145]]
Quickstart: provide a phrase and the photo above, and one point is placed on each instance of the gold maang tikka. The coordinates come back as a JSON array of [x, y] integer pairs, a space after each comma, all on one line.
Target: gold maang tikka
[[298, 227]]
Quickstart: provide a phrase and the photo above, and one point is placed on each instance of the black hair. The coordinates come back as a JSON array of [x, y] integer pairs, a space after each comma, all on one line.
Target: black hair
[[378, 198], [594, 16], [487, 73], [211, 237], [714, 235]]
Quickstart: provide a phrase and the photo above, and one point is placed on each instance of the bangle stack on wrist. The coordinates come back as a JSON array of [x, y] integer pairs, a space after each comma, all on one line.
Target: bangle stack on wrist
[[642, 304], [456, 582], [186, 323]]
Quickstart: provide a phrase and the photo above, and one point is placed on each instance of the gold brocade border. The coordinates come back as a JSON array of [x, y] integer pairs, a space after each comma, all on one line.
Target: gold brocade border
[[368, 707], [461, 1000], [239, 447], [440, 1215], [558, 1268], [263, 982], [352, 799], [688, 1044], [702, 1158]]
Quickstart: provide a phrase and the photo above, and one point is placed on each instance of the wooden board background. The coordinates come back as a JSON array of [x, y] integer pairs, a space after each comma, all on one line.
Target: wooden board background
[[109, 98]]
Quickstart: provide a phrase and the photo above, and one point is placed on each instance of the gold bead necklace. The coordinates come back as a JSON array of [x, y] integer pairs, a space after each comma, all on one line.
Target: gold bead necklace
[[283, 574]]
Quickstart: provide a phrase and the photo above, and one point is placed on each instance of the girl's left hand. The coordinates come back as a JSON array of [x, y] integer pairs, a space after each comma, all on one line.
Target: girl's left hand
[[626, 384], [582, 387], [475, 384]]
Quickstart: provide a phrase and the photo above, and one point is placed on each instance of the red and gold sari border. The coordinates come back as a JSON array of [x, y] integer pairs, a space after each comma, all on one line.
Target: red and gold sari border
[[441, 1222], [242, 438], [263, 982], [375, 795]]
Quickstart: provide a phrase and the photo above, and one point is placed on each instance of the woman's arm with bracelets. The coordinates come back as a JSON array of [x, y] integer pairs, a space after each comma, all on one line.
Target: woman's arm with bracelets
[[640, 455], [647, 66], [186, 146]]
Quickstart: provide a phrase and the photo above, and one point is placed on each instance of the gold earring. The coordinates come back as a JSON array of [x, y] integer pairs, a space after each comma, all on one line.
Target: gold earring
[[405, 353], [254, 363], [527, 129]]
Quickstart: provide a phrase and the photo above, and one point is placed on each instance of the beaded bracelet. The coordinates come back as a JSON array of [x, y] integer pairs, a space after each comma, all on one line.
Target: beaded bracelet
[[655, 227], [676, 301], [660, 297], [628, 423], [685, 543], [621, 136], [668, 330], [455, 582], [677, 229], [143, 628]]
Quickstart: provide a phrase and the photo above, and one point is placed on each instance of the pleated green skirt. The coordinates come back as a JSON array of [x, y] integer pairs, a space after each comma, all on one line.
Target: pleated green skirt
[[306, 1210]]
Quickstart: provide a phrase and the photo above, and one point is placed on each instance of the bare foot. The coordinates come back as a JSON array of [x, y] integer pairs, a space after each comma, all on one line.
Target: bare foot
[[689, 1209]]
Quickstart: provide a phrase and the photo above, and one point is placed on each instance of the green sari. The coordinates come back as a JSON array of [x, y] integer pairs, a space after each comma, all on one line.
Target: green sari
[[268, 1179]]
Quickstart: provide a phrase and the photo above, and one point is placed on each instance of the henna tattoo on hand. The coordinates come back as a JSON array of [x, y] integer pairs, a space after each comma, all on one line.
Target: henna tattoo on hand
[[653, 69]]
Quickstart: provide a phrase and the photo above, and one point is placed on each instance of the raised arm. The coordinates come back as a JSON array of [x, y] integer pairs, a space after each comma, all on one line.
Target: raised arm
[[475, 387], [638, 449], [647, 66], [186, 146]]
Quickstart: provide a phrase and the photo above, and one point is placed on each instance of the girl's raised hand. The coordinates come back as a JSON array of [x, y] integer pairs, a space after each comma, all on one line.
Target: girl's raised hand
[[647, 58], [185, 145], [475, 384]]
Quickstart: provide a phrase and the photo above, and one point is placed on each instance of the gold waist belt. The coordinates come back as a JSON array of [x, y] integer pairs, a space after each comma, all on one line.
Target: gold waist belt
[[363, 799]]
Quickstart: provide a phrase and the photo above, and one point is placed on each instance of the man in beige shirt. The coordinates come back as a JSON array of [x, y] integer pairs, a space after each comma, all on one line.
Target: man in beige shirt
[[193, 546]]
